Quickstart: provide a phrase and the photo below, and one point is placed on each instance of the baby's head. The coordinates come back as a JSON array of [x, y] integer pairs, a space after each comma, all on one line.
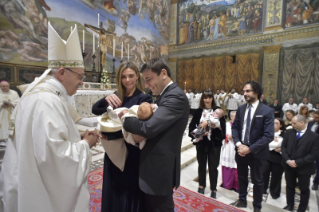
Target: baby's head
[[144, 111], [218, 113]]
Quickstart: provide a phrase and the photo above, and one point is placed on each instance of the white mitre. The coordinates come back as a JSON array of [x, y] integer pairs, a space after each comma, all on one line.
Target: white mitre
[[61, 53]]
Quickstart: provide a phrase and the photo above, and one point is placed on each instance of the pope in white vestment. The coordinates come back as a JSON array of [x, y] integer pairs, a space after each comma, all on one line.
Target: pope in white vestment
[[8, 99], [47, 161]]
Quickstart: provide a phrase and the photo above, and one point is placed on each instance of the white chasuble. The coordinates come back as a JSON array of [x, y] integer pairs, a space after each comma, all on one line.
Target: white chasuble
[[5, 112], [46, 164]]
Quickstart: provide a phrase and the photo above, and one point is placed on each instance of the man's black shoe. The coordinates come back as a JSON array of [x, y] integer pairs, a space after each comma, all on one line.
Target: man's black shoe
[[239, 204], [201, 190], [289, 208], [257, 210], [213, 194], [314, 186]]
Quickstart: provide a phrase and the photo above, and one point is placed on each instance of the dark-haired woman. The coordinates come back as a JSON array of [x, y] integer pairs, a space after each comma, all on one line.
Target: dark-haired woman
[[208, 150], [121, 192], [273, 165]]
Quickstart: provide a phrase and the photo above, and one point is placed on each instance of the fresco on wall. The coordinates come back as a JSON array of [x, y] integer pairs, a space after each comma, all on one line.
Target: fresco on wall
[[301, 12], [207, 20], [141, 25]]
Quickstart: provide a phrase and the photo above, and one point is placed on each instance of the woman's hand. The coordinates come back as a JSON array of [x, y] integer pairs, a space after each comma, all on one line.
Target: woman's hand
[[278, 149], [203, 125], [113, 100], [137, 138], [230, 137]]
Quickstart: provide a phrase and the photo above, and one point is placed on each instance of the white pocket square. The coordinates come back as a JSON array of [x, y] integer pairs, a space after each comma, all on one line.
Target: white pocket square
[[259, 115]]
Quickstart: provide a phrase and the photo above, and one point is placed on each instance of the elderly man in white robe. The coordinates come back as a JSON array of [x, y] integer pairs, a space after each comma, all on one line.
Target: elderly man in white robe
[[290, 105], [8, 100], [47, 161]]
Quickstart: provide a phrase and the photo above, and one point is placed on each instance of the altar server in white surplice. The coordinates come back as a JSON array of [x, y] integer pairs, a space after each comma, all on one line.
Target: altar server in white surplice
[[8, 100], [290, 105], [47, 161], [231, 101]]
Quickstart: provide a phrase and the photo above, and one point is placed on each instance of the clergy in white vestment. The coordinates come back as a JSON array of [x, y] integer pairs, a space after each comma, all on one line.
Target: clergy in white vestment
[[47, 161], [231, 101], [190, 96], [8, 100], [305, 103], [216, 97], [227, 158], [290, 105], [195, 102], [241, 99]]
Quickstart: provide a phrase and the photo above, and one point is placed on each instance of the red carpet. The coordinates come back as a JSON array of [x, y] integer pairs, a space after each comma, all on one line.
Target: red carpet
[[185, 200]]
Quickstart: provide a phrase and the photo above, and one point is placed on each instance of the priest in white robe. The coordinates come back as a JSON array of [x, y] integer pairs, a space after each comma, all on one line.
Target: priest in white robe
[[8, 100], [47, 161], [231, 101], [290, 105]]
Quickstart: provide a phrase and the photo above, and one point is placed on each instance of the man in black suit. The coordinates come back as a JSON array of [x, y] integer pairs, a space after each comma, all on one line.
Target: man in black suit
[[277, 108], [300, 148], [160, 158], [252, 131], [314, 127]]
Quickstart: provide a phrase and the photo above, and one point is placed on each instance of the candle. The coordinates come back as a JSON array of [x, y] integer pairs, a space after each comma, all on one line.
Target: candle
[[113, 48], [71, 29], [83, 40], [98, 20], [93, 44], [128, 52], [122, 52], [185, 86]]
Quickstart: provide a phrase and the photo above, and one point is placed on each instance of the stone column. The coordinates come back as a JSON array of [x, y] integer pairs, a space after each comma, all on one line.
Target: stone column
[[172, 62], [270, 72], [274, 15], [173, 23]]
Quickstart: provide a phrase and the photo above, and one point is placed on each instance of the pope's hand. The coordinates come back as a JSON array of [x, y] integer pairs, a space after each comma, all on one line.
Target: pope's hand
[[91, 137], [113, 100], [122, 113]]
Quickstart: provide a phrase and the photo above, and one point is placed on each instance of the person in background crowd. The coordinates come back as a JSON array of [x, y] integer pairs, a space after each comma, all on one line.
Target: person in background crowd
[[231, 100], [273, 166], [216, 97], [227, 158], [241, 99], [314, 127], [195, 102], [288, 117], [300, 149], [208, 150], [8, 100], [277, 108], [263, 100], [290, 105], [317, 106], [190, 96], [305, 112], [305, 103], [252, 131]]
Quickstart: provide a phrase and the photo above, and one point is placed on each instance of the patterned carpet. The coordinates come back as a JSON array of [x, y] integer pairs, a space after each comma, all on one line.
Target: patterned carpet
[[185, 200]]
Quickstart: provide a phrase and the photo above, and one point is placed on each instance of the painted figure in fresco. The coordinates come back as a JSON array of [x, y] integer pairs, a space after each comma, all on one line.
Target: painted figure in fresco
[[233, 28], [104, 40], [111, 27], [195, 29], [109, 5], [242, 24], [222, 24], [181, 34], [200, 30], [131, 7], [16, 15], [293, 11], [190, 35], [306, 14], [124, 19], [38, 15], [257, 21], [142, 9], [186, 31], [249, 19], [212, 24]]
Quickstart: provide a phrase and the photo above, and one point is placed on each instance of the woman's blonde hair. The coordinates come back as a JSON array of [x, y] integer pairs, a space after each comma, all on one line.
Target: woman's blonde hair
[[120, 88], [301, 111], [289, 111]]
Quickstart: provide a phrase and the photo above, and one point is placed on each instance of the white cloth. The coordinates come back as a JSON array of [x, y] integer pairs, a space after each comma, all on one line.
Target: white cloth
[[315, 127], [287, 106], [276, 144], [252, 112], [46, 164], [195, 101], [190, 97], [241, 100], [5, 112], [309, 105], [227, 155], [216, 98], [232, 102], [214, 120]]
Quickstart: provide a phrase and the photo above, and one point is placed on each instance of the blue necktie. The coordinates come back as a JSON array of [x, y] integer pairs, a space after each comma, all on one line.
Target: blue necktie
[[246, 138], [298, 136]]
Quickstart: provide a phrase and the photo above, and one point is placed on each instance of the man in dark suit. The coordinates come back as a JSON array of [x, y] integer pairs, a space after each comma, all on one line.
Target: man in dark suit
[[314, 127], [252, 131], [300, 149], [277, 108], [160, 158]]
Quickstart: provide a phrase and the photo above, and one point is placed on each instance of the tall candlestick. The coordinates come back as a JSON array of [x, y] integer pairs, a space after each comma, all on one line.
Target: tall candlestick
[[122, 52], [113, 48], [71, 29], [98, 20], [83, 40], [128, 52], [93, 44]]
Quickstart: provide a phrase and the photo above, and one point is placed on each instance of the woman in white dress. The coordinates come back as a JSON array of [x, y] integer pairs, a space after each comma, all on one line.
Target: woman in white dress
[[227, 158]]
